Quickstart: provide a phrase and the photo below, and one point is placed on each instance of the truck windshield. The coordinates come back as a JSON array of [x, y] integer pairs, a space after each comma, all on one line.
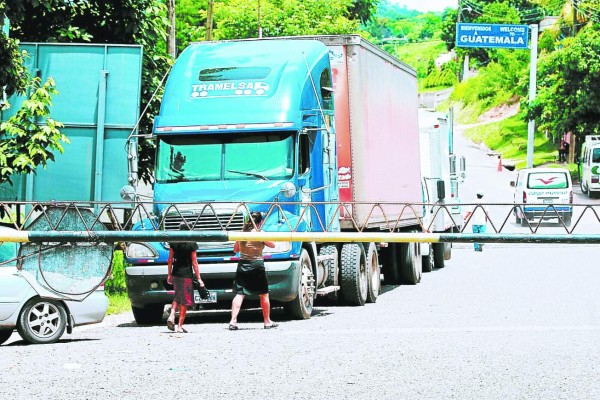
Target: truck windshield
[[225, 157]]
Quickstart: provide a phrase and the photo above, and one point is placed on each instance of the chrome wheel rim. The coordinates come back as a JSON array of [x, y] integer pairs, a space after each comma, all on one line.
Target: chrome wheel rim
[[44, 320]]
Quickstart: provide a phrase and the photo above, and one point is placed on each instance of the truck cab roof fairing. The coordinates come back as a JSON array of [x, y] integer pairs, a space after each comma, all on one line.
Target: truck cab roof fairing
[[237, 83]]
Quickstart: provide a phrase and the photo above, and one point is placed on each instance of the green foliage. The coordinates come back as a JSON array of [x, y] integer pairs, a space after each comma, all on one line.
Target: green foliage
[[238, 18], [118, 303], [509, 138], [568, 96], [494, 84], [141, 22], [117, 283], [25, 142], [417, 55], [441, 77]]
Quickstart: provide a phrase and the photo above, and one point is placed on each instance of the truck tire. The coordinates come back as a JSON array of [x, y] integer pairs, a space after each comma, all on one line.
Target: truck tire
[[42, 321], [568, 218], [373, 273], [302, 306], [517, 219], [354, 274], [389, 259], [427, 260], [151, 314], [438, 255], [333, 269], [447, 251], [5, 334], [410, 264]]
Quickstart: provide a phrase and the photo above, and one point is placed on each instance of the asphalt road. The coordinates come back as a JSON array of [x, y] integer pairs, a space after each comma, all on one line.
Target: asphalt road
[[512, 322]]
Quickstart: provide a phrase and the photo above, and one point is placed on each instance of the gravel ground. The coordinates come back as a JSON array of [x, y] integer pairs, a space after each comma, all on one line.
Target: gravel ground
[[489, 325]]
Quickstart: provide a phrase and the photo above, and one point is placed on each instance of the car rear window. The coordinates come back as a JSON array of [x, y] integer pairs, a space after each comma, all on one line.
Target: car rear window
[[547, 180]]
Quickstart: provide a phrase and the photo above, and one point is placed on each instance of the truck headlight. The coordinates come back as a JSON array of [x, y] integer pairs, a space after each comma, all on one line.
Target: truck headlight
[[140, 250], [280, 247]]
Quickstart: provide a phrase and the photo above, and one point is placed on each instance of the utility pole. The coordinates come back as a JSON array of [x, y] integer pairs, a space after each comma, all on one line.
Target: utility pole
[[171, 48], [209, 20], [532, 92], [259, 28], [574, 5]]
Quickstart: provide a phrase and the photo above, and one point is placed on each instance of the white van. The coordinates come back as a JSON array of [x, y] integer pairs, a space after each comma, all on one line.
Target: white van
[[589, 165], [545, 193]]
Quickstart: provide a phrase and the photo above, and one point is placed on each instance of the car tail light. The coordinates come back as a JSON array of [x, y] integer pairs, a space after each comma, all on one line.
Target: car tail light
[[524, 197], [595, 179], [571, 197]]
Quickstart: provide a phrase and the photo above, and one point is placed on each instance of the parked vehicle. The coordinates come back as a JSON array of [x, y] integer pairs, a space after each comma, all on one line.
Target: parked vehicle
[[40, 319], [589, 165], [545, 193], [440, 173], [315, 120]]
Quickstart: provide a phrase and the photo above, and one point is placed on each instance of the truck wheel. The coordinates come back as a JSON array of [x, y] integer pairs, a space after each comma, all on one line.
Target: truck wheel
[[151, 314], [302, 306], [373, 274], [567, 218], [354, 274], [389, 259], [524, 220], [427, 260], [447, 251], [410, 264], [42, 321], [332, 268], [517, 219], [5, 335], [438, 255]]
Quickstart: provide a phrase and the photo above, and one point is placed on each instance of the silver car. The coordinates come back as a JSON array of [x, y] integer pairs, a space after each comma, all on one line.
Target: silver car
[[40, 319]]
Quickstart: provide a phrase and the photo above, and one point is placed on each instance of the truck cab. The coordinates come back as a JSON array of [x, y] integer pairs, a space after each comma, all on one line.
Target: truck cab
[[241, 121]]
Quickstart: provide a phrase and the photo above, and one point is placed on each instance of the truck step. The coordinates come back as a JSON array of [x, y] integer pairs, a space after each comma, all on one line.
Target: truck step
[[326, 290]]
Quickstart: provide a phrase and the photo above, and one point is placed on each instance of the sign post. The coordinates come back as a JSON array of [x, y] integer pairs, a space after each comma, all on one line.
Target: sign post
[[505, 37]]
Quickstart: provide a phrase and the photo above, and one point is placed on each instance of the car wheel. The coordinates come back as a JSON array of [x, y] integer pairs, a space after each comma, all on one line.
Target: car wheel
[[302, 306], [151, 314], [5, 335], [42, 321]]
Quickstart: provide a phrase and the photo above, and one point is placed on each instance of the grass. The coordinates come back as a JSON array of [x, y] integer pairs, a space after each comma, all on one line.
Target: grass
[[509, 138], [118, 303]]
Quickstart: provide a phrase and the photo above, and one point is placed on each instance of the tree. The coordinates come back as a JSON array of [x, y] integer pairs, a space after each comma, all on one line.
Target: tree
[[568, 96], [239, 18], [25, 144], [103, 21]]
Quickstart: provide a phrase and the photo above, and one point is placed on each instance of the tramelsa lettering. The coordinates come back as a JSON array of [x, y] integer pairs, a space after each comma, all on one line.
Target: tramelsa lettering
[[230, 88]]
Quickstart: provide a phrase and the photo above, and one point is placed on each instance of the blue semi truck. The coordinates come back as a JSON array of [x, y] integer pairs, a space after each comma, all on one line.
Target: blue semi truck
[[288, 121]]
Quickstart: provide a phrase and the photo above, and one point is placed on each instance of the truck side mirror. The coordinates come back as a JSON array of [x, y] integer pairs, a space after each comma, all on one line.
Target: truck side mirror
[[441, 190], [512, 184]]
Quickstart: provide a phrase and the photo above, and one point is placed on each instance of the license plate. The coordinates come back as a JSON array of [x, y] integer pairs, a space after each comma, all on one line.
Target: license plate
[[548, 201], [212, 297]]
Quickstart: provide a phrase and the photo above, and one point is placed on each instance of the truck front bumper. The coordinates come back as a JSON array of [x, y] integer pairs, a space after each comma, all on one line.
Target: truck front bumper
[[147, 284]]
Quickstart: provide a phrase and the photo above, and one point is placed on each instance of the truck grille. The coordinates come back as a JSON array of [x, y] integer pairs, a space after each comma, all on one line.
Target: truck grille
[[208, 220]]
